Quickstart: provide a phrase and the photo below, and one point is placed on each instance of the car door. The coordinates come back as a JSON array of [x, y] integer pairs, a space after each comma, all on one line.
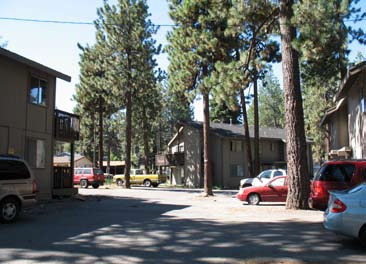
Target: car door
[[275, 190]]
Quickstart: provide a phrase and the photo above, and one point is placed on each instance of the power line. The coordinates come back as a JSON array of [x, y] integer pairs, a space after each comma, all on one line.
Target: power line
[[62, 22], [92, 23]]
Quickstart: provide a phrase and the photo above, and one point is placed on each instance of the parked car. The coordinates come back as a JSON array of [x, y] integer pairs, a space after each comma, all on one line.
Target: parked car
[[346, 212], [273, 191], [335, 175], [137, 176], [264, 177], [88, 176], [17, 187]]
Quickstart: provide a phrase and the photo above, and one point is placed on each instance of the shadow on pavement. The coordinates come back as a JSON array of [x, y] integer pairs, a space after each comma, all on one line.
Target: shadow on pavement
[[126, 230]]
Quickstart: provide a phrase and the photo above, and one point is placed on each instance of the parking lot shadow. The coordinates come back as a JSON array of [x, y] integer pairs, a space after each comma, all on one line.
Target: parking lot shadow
[[128, 230]]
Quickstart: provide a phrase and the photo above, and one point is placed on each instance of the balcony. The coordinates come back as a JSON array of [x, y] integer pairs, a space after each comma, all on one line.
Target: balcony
[[67, 126], [176, 159]]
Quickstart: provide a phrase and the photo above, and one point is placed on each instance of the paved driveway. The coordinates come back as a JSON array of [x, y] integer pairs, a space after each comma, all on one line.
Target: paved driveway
[[170, 226]]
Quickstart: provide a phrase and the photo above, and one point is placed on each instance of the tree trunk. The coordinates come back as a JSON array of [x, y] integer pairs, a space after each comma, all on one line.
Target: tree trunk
[[94, 141], [128, 138], [298, 180], [246, 133], [206, 146], [256, 126], [100, 133], [146, 144]]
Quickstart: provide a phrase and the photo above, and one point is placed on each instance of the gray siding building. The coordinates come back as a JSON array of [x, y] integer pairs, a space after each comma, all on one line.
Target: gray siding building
[[228, 153], [345, 122]]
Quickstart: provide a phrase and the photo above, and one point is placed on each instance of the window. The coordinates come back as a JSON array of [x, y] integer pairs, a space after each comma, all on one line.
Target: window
[[336, 172], [236, 170], [265, 174], [13, 170], [278, 173], [236, 146], [37, 91], [87, 171], [36, 153]]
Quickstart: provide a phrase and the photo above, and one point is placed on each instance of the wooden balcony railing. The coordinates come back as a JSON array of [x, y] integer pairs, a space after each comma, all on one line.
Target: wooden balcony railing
[[67, 126], [176, 159]]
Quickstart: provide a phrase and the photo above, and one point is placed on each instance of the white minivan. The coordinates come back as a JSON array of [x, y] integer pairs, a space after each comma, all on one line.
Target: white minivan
[[17, 187]]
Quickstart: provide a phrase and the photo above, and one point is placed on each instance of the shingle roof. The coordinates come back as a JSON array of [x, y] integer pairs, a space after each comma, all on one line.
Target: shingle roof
[[232, 131]]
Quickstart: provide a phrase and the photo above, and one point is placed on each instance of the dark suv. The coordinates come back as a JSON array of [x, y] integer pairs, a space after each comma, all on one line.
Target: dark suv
[[17, 187], [335, 175]]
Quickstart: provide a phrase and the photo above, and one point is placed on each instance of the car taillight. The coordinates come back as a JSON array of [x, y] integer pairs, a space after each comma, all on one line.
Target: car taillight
[[34, 186], [317, 189], [338, 206]]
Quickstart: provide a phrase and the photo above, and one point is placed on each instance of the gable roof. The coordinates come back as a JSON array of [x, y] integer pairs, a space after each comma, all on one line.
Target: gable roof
[[352, 75], [33, 64], [237, 131]]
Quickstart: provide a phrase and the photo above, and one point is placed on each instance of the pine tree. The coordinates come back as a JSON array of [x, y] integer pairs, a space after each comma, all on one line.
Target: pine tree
[[250, 26], [195, 45], [128, 36]]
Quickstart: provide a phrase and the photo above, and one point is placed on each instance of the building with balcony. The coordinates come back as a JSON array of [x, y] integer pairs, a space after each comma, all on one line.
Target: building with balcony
[[345, 122], [229, 161], [29, 123]]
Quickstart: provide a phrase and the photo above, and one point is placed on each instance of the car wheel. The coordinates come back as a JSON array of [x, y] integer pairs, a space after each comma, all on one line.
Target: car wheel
[[83, 183], [155, 185], [95, 186], [9, 208], [254, 199], [147, 183], [362, 235], [119, 182]]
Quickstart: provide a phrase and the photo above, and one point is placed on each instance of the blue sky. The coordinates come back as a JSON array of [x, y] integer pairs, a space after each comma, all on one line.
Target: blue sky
[[55, 45]]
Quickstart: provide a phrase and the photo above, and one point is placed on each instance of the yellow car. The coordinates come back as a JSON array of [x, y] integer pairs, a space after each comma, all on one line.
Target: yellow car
[[137, 176]]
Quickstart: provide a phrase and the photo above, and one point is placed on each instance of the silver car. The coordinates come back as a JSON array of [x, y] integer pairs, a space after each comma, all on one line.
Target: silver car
[[346, 212], [17, 187]]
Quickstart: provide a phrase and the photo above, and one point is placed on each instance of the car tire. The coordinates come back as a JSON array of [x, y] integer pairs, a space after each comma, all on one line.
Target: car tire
[[9, 210], [155, 185], [362, 235], [254, 199], [147, 183], [119, 182], [84, 183], [95, 186]]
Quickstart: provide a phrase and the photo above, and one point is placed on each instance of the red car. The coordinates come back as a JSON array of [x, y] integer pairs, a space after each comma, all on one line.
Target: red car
[[274, 191], [335, 175], [88, 176]]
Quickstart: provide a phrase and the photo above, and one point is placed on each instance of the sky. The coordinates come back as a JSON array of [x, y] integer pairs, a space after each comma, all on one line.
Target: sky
[[55, 45]]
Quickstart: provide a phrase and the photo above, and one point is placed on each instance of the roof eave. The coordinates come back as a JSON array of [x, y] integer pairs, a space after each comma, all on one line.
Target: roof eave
[[34, 64]]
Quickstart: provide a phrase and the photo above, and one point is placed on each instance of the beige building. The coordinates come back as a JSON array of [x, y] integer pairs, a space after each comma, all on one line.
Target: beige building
[[228, 154], [29, 124], [346, 120]]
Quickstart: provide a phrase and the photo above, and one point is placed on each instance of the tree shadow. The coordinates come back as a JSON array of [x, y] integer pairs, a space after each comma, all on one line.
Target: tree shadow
[[127, 230]]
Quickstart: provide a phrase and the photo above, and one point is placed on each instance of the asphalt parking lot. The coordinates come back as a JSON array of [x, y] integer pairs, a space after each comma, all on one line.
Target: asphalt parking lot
[[157, 225]]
